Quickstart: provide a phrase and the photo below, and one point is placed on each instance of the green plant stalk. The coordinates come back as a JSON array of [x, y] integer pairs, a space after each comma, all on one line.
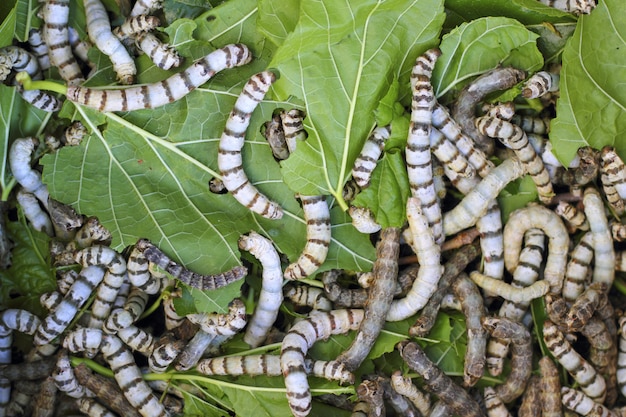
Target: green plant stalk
[[24, 79]]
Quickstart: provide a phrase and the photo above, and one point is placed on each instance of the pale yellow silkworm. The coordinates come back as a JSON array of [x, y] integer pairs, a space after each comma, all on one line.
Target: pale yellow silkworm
[[494, 405], [604, 254], [509, 292], [404, 386], [584, 405], [578, 267], [363, 219]]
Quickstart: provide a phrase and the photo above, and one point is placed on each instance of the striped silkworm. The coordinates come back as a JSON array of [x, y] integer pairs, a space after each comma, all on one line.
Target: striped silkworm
[[298, 340], [275, 136], [146, 7], [135, 25], [129, 313], [418, 155], [370, 392], [64, 219], [350, 190], [531, 402], [532, 124], [618, 231], [39, 48], [621, 356], [80, 47], [602, 355], [463, 111], [614, 170], [494, 405], [99, 30], [403, 386], [592, 299], [363, 219], [162, 92], [429, 258], [28, 370], [540, 83], [55, 323], [342, 297], [138, 268], [166, 350], [38, 218], [521, 355], [380, 297], [578, 268], [74, 134], [361, 408], [293, 129], [612, 196], [437, 382], [50, 301], [20, 155], [271, 295], [229, 159], [550, 388], [201, 282], [449, 155], [163, 55], [573, 6], [584, 405], [122, 363], [45, 400], [366, 161], [172, 319], [65, 279], [589, 380], [93, 408], [584, 173], [501, 110], [65, 378], [55, 33], [473, 309], [400, 404], [318, 234], [604, 254], [512, 136], [574, 218], [92, 233], [538, 217], [307, 296], [137, 339], [509, 292]]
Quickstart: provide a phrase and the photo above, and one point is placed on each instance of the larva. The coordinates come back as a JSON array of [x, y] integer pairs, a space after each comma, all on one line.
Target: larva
[[44, 401], [137, 339], [418, 155], [449, 155], [366, 161], [93, 408], [531, 403], [123, 317], [604, 254], [64, 219], [515, 138], [578, 268], [538, 217], [135, 25], [318, 234], [138, 268], [172, 319], [403, 386], [38, 218], [493, 403], [163, 55], [593, 298], [476, 91], [229, 160], [532, 124], [618, 231], [539, 84], [584, 173], [28, 370], [584, 405], [437, 382], [363, 219], [293, 128], [400, 404], [602, 355], [53, 325], [145, 7], [56, 35], [429, 258], [74, 134], [350, 190], [162, 92], [621, 356], [306, 295], [80, 47], [201, 282], [521, 355], [371, 393], [550, 388], [504, 111], [39, 48], [65, 378], [612, 196], [275, 137], [379, 300], [574, 218], [509, 292], [50, 301], [361, 409], [165, 352], [122, 363], [614, 170], [573, 6], [92, 233], [589, 380], [297, 342], [342, 297], [20, 155], [271, 295]]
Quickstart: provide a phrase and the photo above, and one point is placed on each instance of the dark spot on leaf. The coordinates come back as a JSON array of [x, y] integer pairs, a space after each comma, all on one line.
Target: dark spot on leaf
[[210, 18]]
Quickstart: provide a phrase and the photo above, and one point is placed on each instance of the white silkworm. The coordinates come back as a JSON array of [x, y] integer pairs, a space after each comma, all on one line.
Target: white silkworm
[[38, 218], [65, 379], [99, 30], [363, 219], [418, 155], [229, 160], [297, 342], [573, 6], [137, 339], [164, 353], [449, 155], [494, 405], [574, 218], [163, 55], [550, 388], [20, 155], [134, 25], [51, 300], [612, 196], [162, 92], [56, 35], [578, 268], [93, 408], [55, 323], [122, 363], [14, 320], [271, 295], [39, 48], [621, 356], [404, 386], [145, 7], [612, 166], [604, 254], [123, 317], [306, 295], [293, 128], [533, 125], [542, 218], [139, 272], [540, 83], [509, 292], [318, 234], [366, 161], [429, 258], [172, 319], [512, 136], [80, 47], [504, 111], [589, 380], [582, 404]]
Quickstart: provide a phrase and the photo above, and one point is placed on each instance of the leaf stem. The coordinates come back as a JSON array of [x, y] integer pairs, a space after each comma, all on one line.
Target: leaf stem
[[102, 370], [164, 294], [29, 84], [6, 190], [620, 285]]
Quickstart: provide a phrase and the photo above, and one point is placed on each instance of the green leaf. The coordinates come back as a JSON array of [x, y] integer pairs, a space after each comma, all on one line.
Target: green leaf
[[25, 10], [448, 353], [180, 9], [481, 45], [553, 38], [7, 28], [386, 110], [516, 194], [592, 107], [278, 18], [341, 60], [215, 301]]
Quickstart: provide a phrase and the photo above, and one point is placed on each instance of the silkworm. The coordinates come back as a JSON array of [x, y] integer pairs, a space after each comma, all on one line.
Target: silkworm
[[342, 297], [318, 234], [578, 268], [532, 124], [64, 377], [363, 219], [573, 6], [361, 409], [604, 254], [55, 323], [584, 173], [476, 91], [531, 403], [64, 219], [573, 217], [589, 380], [28, 370], [366, 161], [137, 339], [138, 268], [172, 319], [65, 279], [550, 388], [163, 55], [437, 382], [134, 25], [271, 295], [44, 401], [162, 92], [593, 298], [449, 155], [306, 295], [370, 392], [612, 166], [145, 7], [521, 355], [74, 134], [403, 386], [39, 48], [582, 404], [515, 138], [166, 350], [275, 136], [621, 356], [429, 258], [350, 190], [201, 282], [79, 47], [401, 405], [558, 241], [20, 155], [493, 403], [612, 196], [93, 408], [38, 218], [379, 299], [509, 292], [297, 342], [602, 355], [540, 83], [122, 363], [123, 317], [293, 128], [55, 15]]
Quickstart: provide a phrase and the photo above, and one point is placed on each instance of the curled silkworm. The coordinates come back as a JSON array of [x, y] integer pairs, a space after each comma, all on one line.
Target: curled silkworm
[[366, 161], [306, 295], [19, 161], [363, 219], [405, 387], [589, 380], [201, 282], [172, 319], [582, 404], [573, 6], [371, 393], [509, 292], [38, 218], [65, 378], [592, 299], [575, 218], [39, 48], [271, 295], [350, 190], [138, 268], [318, 234], [297, 342], [493, 403], [531, 403], [379, 300], [540, 83], [74, 134], [162, 54], [550, 388], [437, 382], [134, 25], [53, 325], [162, 92], [164, 353], [129, 313], [604, 254]]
